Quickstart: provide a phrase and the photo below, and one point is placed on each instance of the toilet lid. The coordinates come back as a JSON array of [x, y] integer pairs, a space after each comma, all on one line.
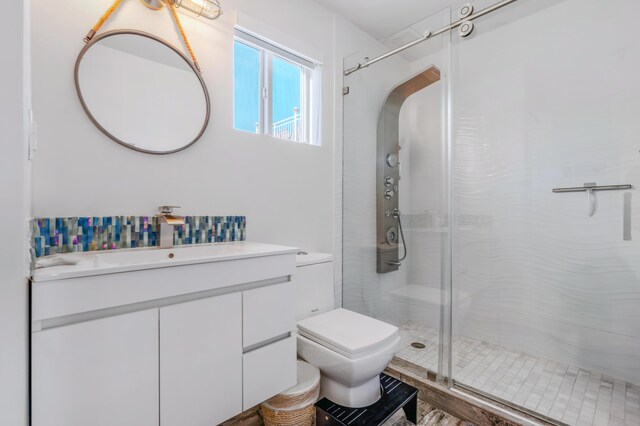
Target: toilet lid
[[348, 333]]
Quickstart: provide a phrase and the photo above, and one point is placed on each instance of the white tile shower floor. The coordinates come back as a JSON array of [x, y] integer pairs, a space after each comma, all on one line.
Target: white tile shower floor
[[563, 392]]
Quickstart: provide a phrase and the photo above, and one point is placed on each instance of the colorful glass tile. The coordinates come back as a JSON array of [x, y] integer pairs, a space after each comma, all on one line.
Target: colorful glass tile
[[79, 234]]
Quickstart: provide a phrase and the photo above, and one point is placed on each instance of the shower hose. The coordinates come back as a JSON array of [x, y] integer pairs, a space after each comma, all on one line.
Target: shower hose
[[404, 243]]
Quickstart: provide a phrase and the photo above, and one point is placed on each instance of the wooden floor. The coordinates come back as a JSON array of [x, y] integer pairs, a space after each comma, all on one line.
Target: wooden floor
[[427, 416], [563, 392]]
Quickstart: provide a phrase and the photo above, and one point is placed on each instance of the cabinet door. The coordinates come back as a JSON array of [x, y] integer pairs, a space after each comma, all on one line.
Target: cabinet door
[[99, 372], [201, 361], [269, 370], [268, 312]]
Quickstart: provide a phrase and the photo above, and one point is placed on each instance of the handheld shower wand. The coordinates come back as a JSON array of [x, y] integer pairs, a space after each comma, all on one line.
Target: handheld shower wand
[[396, 215]]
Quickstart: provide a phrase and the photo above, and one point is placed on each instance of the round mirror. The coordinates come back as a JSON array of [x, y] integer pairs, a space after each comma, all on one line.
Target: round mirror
[[142, 92]]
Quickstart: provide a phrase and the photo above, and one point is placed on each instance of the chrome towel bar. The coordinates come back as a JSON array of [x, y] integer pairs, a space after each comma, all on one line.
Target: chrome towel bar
[[593, 187], [590, 188]]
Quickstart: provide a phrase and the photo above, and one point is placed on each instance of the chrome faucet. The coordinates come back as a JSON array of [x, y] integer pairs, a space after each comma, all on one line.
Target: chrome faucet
[[167, 222]]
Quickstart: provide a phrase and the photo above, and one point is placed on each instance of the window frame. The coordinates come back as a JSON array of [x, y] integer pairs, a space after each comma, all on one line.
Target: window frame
[[309, 71]]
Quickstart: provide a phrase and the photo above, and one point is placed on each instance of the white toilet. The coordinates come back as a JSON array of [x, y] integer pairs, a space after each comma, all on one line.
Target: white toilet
[[350, 349]]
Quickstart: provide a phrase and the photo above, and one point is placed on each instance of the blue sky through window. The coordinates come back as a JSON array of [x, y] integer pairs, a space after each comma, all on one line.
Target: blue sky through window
[[246, 88], [285, 86]]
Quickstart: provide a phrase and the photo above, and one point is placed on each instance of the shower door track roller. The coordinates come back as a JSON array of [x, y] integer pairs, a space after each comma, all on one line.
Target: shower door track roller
[[429, 35]]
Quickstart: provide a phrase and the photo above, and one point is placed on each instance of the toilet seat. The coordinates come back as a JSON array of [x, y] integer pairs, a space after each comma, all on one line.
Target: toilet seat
[[348, 333]]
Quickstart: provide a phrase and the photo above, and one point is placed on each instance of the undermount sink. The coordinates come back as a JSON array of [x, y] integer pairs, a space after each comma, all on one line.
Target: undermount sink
[[106, 262]]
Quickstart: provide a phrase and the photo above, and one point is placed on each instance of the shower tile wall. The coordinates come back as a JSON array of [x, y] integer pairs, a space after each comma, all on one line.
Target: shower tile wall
[[427, 229]]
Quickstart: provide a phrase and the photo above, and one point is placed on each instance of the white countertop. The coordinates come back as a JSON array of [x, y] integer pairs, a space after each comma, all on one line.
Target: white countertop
[[115, 261]]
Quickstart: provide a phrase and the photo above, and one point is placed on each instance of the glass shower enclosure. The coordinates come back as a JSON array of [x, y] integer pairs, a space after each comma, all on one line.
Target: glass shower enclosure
[[395, 172], [514, 185]]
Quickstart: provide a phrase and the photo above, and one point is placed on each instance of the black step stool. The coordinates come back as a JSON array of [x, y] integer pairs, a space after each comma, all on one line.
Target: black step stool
[[395, 395]]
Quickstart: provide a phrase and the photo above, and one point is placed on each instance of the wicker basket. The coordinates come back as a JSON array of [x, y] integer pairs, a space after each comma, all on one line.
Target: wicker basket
[[303, 417], [295, 406]]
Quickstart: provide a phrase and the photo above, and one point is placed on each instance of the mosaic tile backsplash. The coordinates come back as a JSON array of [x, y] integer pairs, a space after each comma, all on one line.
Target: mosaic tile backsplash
[[78, 234]]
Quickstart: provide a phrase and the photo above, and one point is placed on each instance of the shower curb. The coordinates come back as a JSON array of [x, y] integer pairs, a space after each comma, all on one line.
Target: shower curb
[[466, 406]]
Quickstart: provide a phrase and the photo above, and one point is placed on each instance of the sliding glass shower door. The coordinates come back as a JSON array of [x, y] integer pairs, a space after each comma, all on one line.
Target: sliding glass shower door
[[546, 95], [517, 198]]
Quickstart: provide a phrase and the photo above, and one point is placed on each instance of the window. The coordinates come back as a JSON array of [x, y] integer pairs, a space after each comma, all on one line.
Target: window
[[246, 77], [275, 91]]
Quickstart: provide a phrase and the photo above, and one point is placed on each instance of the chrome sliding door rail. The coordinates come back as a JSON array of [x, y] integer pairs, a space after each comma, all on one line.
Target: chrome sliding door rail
[[429, 35]]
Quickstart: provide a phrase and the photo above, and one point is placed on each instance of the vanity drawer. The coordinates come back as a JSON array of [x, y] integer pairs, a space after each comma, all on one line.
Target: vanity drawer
[[57, 298], [268, 371], [267, 313]]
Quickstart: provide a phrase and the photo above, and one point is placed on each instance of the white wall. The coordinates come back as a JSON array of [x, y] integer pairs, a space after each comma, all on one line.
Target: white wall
[[13, 288], [284, 188]]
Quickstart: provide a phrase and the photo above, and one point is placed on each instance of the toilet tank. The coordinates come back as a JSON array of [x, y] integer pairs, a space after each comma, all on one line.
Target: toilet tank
[[314, 284]]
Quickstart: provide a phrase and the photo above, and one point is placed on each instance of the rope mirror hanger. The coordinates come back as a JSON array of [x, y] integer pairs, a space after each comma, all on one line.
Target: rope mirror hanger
[[174, 14]]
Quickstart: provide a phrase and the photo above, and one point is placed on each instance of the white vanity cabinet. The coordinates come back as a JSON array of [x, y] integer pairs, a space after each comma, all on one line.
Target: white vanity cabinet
[[98, 372], [269, 349], [201, 361], [190, 345]]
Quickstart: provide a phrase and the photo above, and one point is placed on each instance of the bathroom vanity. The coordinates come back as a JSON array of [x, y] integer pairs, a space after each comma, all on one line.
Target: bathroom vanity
[[181, 336]]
